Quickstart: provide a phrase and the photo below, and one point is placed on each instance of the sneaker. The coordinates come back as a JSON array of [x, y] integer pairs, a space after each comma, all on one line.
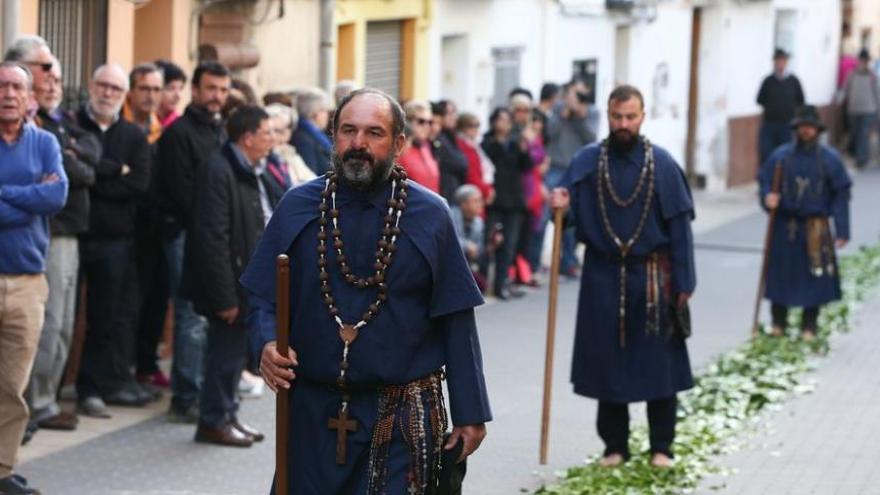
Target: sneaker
[[16, 485], [93, 406], [250, 386], [190, 416], [157, 379]]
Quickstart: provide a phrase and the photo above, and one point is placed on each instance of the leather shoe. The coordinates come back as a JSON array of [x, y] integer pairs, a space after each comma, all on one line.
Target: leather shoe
[[64, 421], [255, 434], [226, 435], [126, 397]]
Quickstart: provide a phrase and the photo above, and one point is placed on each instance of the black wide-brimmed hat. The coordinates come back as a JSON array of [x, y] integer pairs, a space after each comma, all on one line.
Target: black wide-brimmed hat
[[807, 115]]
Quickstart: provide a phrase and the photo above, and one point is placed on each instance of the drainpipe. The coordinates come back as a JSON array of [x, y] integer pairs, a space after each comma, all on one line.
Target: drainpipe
[[11, 18], [327, 50]]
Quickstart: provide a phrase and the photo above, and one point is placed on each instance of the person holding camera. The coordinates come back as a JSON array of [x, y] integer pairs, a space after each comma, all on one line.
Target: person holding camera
[[571, 126]]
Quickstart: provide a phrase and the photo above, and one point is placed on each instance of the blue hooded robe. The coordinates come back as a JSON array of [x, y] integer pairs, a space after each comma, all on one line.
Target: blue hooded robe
[[427, 323], [789, 278], [651, 365]]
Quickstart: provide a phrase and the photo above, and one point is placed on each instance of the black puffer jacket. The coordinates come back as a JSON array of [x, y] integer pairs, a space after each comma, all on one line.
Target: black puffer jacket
[[510, 163], [181, 150], [116, 191], [227, 223], [453, 164], [80, 152]]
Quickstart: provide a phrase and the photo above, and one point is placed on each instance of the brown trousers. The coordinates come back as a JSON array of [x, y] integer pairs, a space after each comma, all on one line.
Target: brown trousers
[[22, 303]]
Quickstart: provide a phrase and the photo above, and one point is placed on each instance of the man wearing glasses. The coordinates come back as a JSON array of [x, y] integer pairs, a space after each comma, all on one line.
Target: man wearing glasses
[[143, 100], [107, 250], [142, 103], [33, 52]]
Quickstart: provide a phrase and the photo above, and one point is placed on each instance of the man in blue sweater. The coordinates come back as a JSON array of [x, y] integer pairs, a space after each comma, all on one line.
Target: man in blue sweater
[[33, 186]]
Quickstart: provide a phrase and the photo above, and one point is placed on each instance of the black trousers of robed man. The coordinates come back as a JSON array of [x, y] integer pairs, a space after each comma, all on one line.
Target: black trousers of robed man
[[612, 422], [225, 356], [809, 319]]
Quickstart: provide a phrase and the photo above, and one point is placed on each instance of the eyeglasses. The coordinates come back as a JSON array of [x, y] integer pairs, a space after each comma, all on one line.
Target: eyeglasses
[[148, 89], [108, 87], [45, 66]]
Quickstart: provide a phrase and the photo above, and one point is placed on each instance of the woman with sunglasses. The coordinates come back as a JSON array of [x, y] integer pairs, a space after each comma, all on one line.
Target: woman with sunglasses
[[417, 159]]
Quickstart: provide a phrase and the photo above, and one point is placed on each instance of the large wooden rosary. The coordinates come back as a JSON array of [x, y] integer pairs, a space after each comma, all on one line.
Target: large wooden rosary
[[386, 248]]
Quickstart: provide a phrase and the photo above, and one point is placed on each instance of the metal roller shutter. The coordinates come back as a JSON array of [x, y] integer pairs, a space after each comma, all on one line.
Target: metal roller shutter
[[383, 56], [76, 31]]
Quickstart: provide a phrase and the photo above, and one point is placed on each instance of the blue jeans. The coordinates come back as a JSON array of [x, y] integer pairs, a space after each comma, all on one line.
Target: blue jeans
[[860, 125], [224, 359], [190, 331], [771, 136], [553, 178]]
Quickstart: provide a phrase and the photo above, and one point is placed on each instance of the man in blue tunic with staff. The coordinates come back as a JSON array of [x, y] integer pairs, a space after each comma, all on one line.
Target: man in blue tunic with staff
[[802, 264], [631, 205], [381, 306]]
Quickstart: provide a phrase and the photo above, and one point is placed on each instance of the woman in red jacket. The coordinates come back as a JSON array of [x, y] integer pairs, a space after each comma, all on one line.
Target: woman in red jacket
[[481, 171]]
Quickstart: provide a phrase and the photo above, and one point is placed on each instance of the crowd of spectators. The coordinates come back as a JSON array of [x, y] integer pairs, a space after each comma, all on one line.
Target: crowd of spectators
[[127, 211]]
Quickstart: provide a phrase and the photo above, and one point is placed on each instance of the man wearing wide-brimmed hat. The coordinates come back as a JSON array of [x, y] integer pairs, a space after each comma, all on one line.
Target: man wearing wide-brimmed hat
[[812, 222]]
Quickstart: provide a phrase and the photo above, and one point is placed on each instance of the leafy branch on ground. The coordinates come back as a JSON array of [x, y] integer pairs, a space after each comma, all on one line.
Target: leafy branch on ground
[[727, 398]]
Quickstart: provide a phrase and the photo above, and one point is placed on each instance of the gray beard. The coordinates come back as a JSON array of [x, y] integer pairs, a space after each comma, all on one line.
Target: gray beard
[[362, 175]]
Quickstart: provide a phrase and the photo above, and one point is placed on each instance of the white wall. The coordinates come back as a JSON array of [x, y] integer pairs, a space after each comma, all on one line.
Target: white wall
[[738, 39], [663, 46], [485, 24]]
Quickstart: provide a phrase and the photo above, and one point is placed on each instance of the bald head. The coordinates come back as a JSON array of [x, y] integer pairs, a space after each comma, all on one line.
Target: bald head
[[107, 91]]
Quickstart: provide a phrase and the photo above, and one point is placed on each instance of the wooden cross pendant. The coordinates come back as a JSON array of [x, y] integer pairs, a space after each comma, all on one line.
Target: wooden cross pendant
[[342, 425]]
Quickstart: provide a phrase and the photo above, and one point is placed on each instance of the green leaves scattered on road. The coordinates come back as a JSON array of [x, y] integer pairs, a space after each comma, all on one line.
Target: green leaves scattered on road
[[728, 395]]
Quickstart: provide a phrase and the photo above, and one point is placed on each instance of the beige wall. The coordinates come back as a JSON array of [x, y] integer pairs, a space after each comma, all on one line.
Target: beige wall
[[30, 16], [866, 15], [289, 47], [162, 30], [120, 29]]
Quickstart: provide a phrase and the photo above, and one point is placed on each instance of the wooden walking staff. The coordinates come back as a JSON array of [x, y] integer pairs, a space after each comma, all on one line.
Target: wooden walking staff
[[768, 239], [551, 329], [282, 329]]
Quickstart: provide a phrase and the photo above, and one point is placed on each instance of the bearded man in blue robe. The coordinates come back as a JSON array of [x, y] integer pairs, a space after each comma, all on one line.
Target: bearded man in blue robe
[[631, 205], [381, 302], [812, 222]]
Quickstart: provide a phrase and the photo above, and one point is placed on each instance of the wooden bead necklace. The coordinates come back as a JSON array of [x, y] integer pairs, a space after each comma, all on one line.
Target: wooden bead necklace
[[384, 256], [603, 183]]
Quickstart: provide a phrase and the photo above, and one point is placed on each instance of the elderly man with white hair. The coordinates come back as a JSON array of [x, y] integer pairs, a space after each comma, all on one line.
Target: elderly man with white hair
[[32, 52], [33, 187], [310, 138], [107, 250], [80, 152], [284, 157]]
